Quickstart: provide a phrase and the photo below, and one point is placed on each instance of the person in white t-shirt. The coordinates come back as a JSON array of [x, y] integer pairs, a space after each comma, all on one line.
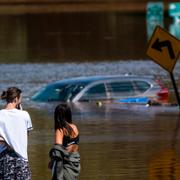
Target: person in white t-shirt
[[15, 124]]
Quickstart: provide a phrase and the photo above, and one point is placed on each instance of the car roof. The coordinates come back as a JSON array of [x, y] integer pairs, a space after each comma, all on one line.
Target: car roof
[[90, 79]]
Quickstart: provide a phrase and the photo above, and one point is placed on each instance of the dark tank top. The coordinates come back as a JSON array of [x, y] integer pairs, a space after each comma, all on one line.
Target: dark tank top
[[67, 140]]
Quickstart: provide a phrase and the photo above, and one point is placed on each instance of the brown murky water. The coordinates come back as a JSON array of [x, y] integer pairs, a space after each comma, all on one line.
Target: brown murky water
[[75, 36], [116, 141]]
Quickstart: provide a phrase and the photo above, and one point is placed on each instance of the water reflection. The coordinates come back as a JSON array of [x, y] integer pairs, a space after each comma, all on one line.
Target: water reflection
[[166, 164], [127, 137], [72, 37], [77, 36]]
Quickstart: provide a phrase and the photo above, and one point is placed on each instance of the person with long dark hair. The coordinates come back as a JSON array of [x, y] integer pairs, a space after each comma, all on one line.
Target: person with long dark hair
[[15, 124], [65, 157]]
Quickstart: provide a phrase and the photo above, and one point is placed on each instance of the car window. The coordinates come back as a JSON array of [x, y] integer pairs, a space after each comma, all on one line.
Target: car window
[[68, 92], [120, 89], [94, 93], [141, 86]]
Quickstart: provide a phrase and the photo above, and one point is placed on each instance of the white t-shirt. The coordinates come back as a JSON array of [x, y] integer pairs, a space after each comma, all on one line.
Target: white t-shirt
[[14, 125]]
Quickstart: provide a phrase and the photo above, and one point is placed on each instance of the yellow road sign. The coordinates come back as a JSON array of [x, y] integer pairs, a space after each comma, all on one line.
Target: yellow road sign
[[164, 49]]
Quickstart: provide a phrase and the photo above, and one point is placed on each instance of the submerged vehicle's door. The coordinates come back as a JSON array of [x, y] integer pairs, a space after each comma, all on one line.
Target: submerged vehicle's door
[[120, 89], [93, 93]]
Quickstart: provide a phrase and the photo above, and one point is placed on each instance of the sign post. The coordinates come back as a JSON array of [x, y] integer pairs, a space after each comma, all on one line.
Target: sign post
[[175, 88], [164, 49]]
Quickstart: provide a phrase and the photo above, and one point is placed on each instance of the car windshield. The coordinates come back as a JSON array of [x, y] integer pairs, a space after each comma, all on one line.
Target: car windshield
[[58, 93], [68, 92]]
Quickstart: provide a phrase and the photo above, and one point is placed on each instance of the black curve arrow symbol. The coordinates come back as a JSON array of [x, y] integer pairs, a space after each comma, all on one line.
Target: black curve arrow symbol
[[157, 45]]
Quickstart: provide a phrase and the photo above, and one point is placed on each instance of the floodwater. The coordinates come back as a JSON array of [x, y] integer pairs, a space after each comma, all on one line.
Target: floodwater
[[76, 36], [116, 141]]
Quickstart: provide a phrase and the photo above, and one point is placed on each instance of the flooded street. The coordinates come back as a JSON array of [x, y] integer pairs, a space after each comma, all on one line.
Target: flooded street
[[76, 37], [68, 37], [117, 141]]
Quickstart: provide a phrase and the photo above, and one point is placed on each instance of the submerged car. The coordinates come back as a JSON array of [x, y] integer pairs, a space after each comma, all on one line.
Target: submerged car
[[102, 88]]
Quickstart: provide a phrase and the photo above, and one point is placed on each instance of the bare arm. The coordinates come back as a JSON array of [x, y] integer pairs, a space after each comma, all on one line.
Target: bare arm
[[58, 139], [58, 136]]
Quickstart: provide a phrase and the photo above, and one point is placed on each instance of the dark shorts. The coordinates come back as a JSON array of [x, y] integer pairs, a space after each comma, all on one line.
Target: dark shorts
[[13, 168]]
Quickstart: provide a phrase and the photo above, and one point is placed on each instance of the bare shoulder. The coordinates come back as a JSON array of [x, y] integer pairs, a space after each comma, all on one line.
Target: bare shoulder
[[75, 129], [59, 132]]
